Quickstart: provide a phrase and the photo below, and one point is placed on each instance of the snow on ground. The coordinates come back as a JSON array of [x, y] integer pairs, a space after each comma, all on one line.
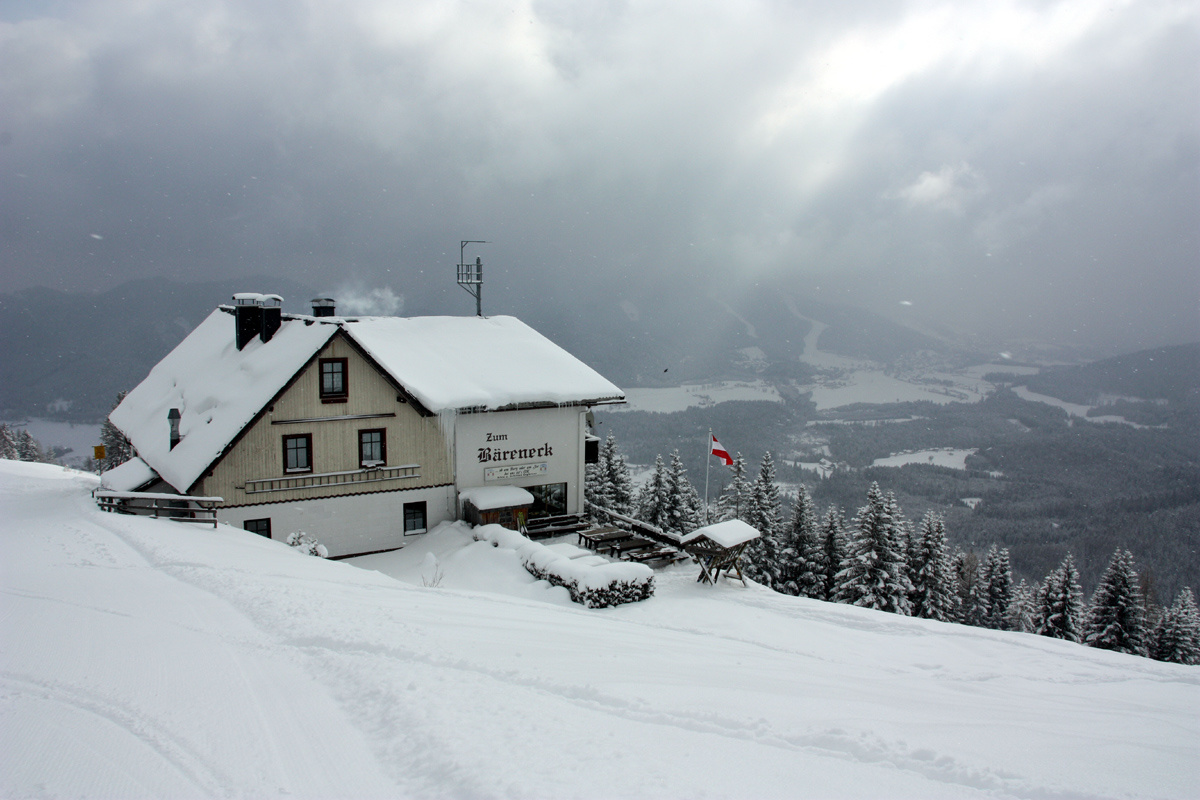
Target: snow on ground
[[1074, 409], [943, 457], [680, 398], [875, 386], [144, 658], [979, 370]]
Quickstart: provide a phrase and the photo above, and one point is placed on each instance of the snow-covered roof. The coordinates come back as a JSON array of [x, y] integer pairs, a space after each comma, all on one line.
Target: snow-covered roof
[[487, 498], [478, 362], [446, 363], [217, 389], [729, 533], [128, 477]]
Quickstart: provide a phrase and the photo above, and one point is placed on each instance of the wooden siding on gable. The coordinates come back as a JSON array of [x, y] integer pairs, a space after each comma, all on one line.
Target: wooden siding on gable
[[411, 439]]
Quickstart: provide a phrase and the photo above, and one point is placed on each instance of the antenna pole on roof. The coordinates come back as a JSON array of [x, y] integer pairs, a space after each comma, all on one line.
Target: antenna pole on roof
[[470, 276]]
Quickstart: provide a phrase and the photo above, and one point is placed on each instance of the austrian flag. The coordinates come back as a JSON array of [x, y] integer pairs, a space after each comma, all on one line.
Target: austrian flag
[[719, 451]]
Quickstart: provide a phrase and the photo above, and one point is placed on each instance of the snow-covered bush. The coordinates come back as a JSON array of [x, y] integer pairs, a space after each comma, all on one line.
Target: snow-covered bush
[[307, 544], [431, 572], [591, 585]]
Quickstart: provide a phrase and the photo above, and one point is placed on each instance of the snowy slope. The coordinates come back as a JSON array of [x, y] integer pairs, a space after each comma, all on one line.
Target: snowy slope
[[148, 659]]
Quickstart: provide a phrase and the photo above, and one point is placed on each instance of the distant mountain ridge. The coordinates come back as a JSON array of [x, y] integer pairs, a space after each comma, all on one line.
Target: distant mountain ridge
[[68, 354], [1163, 373]]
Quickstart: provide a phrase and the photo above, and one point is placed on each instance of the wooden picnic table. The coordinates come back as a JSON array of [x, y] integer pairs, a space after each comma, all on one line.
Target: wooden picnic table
[[601, 536]]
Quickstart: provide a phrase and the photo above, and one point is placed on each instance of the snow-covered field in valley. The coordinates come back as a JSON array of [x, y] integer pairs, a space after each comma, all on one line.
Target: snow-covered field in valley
[[943, 457], [141, 658], [695, 395]]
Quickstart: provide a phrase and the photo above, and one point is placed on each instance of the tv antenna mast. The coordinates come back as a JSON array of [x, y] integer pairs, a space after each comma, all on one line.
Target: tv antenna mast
[[470, 276]]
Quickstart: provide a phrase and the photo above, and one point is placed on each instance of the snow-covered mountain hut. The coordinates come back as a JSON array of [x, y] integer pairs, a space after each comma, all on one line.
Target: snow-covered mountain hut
[[358, 430]]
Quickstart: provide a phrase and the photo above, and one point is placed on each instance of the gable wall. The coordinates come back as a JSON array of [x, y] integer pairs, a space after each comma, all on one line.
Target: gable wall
[[411, 438]]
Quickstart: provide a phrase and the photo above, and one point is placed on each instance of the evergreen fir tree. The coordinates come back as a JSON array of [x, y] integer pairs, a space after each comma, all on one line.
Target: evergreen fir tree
[[683, 513], [1058, 610], [930, 570], [1021, 611], [619, 481], [653, 500], [804, 568], [902, 533], [8, 443], [874, 573], [964, 569], [1176, 637], [763, 560], [597, 489], [833, 545], [996, 589], [734, 502], [1116, 619], [28, 448], [117, 449]]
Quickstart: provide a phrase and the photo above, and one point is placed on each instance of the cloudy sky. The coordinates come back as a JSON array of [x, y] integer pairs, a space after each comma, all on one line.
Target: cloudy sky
[[1016, 168]]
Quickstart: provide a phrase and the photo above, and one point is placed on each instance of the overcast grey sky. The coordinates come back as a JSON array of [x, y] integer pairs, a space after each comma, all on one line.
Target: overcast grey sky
[[1020, 168]]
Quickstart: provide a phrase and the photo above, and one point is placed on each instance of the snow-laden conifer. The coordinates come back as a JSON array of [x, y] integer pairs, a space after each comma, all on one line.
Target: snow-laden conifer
[[683, 512], [874, 574], [1058, 609], [833, 545], [902, 532], [619, 481], [596, 487], [1116, 619], [964, 568], [28, 448], [763, 553], [996, 589], [653, 499], [1021, 611], [8, 443], [930, 571], [1176, 637], [117, 449], [804, 567], [734, 502]]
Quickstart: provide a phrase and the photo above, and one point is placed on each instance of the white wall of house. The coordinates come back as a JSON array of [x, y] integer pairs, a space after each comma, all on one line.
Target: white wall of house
[[360, 523], [530, 447]]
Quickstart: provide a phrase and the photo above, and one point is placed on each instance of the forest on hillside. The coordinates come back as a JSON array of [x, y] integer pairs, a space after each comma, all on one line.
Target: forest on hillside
[[1047, 483]]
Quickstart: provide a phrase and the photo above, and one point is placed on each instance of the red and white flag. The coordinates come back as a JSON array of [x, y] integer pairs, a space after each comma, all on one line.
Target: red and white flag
[[719, 451]]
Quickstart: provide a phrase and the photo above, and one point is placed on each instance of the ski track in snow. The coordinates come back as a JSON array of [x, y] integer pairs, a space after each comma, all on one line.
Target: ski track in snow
[[439, 687]]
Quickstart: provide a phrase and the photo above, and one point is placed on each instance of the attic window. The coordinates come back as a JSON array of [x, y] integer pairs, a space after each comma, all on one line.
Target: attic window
[[334, 387]]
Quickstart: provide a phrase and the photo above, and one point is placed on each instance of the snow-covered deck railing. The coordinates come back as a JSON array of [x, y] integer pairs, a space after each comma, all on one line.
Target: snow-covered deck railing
[[309, 480], [637, 526], [592, 585], [177, 507]]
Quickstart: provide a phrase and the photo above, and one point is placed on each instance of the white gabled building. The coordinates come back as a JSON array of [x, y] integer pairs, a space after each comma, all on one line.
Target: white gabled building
[[358, 430]]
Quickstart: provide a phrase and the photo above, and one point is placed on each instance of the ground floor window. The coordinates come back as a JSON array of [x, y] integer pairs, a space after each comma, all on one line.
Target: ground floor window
[[414, 518], [260, 526], [549, 499]]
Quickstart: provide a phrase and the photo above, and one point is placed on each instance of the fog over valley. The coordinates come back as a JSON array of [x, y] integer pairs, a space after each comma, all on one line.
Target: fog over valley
[[1015, 172]]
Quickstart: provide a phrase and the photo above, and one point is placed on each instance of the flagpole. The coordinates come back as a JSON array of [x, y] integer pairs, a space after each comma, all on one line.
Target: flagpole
[[707, 458]]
